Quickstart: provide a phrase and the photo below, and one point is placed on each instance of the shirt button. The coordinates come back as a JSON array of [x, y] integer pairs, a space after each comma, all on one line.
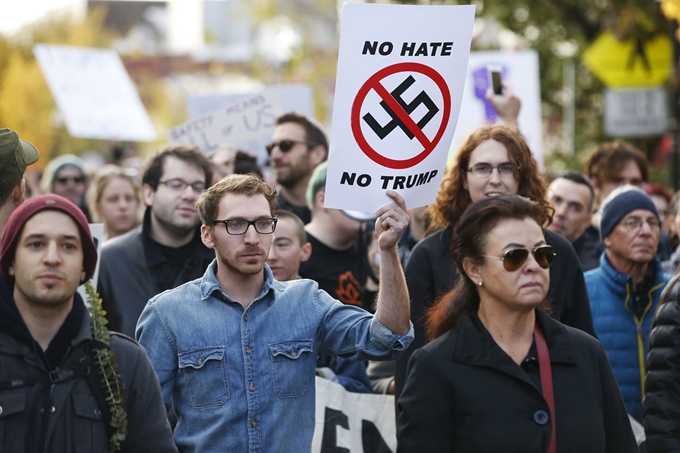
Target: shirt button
[[248, 350], [252, 389], [97, 413], [0, 410], [253, 423], [541, 417], [245, 318], [200, 362], [293, 353], [52, 410]]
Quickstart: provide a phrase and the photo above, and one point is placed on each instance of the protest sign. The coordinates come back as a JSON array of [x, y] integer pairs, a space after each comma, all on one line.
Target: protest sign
[[356, 422], [94, 93], [234, 124], [519, 69], [397, 99]]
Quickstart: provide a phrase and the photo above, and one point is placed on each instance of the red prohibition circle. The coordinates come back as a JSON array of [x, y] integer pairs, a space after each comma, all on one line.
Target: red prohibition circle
[[373, 83]]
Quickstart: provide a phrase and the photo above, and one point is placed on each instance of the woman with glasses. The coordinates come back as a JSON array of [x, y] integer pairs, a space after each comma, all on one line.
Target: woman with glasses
[[493, 160], [500, 374]]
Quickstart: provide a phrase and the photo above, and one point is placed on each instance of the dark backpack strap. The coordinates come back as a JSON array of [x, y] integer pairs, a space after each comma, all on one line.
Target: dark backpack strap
[[94, 382]]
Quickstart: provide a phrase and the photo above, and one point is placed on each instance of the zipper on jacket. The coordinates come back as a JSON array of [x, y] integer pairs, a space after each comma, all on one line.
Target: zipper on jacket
[[46, 411]]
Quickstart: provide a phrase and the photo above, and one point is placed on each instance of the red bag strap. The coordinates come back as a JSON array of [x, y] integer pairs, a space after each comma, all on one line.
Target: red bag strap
[[546, 383]]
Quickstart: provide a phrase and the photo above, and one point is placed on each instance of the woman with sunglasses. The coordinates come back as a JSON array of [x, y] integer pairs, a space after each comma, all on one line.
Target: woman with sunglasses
[[493, 160], [501, 375]]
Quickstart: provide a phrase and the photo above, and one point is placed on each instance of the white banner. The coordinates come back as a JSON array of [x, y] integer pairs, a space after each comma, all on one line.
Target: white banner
[[353, 422], [397, 97], [94, 93]]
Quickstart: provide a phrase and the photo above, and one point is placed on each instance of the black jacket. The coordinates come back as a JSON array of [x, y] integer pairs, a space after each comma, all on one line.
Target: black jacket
[[130, 268], [431, 272], [465, 394], [43, 404], [662, 405]]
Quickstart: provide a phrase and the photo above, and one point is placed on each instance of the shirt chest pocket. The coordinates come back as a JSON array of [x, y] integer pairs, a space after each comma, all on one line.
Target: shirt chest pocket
[[89, 430], [204, 376], [293, 363]]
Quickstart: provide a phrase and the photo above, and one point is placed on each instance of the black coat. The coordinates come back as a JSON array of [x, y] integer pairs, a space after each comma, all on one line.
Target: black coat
[[431, 272], [662, 405], [130, 269], [465, 394]]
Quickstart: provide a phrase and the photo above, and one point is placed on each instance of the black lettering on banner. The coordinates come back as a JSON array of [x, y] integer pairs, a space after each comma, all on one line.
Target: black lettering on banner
[[422, 98], [371, 439], [384, 48], [332, 419], [349, 178]]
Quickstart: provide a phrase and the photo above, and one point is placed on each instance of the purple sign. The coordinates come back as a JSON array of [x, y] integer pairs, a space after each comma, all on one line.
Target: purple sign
[[480, 78]]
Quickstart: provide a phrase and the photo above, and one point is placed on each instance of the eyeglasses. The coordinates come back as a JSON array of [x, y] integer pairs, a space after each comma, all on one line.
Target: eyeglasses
[[264, 225], [66, 179], [180, 185], [286, 145], [515, 258], [483, 169], [634, 224]]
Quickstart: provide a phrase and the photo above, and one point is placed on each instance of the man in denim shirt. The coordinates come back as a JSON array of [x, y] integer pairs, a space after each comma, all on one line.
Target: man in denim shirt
[[235, 350]]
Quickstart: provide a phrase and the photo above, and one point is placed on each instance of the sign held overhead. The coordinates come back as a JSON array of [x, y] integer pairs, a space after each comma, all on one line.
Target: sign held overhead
[[397, 99]]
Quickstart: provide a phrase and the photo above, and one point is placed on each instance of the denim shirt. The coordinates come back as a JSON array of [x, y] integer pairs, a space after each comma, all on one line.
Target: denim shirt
[[242, 380]]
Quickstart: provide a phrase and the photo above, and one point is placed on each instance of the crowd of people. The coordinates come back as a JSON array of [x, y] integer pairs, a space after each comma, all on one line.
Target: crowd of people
[[518, 312]]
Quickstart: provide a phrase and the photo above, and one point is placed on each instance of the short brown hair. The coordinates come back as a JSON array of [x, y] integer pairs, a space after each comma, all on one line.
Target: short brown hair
[[453, 198], [153, 170], [209, 202], [299, 226], [606, 162], [313, 131]]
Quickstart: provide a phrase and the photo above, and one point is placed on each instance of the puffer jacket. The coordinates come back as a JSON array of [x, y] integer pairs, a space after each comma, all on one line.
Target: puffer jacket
[[55, 411], [662, 403], [623, 334]]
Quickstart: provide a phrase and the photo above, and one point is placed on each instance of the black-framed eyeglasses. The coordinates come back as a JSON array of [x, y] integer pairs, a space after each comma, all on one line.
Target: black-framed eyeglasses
[[179, 185], [286, 145], [263, 225], [484, 169], [515, 258], [66, 179]]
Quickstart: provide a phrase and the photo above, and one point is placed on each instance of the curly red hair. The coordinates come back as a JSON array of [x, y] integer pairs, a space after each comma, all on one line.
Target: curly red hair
[[453, 198]]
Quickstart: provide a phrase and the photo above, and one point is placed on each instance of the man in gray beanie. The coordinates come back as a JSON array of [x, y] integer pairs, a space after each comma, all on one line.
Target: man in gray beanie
[[625, 290]]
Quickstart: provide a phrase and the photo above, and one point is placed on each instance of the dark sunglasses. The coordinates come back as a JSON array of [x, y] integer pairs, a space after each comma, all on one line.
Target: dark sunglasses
[[66, 179], [515, 258], [286, 145]]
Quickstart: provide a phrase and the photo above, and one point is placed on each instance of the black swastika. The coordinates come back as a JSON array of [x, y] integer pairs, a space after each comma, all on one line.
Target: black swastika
[[422, 98]]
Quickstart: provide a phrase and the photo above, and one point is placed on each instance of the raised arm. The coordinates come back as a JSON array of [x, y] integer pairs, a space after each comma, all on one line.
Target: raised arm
[[393, 302]]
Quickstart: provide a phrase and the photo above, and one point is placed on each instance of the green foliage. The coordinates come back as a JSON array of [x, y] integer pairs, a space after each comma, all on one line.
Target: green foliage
[[107, 368]]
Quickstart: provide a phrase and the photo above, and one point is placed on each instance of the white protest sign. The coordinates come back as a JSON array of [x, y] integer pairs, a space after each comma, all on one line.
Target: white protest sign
[[356, 422], [234, 124], [94, 93], [519, 69], [636, 112], [397, 98]]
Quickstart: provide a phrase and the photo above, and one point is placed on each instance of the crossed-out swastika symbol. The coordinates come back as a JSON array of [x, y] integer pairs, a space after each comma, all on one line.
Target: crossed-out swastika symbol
[[399, 111], [397, 93]]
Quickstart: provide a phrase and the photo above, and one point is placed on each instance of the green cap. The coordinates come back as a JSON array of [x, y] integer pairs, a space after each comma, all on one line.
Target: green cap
[[15, 156]]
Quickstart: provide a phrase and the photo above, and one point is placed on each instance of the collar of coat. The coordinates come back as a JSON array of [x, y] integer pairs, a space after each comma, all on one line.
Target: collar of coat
[[472, 344]]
